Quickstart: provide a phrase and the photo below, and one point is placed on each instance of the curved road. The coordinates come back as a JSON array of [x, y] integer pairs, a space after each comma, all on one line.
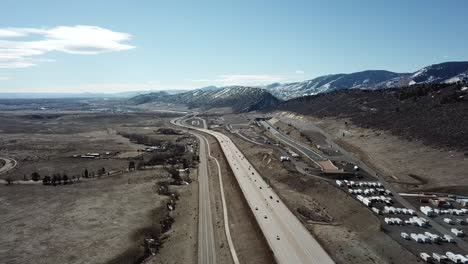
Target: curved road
[[289, 240], [9, 164]]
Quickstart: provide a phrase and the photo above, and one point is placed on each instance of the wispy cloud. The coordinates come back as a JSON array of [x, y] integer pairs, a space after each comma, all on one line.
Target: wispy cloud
[[18, 50], [241, 79], [4, 78], [299, 72], [102, 87]]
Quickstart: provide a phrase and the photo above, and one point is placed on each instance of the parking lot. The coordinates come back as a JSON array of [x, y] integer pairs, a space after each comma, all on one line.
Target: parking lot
[[420, 237], [445, 211]]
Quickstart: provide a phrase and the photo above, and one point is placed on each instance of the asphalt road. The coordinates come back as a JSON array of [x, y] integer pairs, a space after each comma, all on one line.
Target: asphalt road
[[9, 164], [312, 155], [227, 231], [206, 242], [288, 239]]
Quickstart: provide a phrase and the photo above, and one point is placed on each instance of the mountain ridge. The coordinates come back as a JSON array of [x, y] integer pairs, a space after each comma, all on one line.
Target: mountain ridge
[[447, 72]]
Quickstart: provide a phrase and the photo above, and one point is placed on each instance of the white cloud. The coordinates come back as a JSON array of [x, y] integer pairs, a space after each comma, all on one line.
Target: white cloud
[[20, 52], [299, 72], [241, 79], [10, 33]]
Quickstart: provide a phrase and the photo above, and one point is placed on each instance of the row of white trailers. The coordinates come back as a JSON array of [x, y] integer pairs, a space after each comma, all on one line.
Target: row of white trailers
[[398, 210], [367, 201], [458, 221], [416, 221], [429, 211], [358, 183], [427, 237], [369, 191], [441, 258]]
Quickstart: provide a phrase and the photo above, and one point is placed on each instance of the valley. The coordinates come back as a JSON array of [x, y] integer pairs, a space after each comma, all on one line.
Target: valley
[[154, 154]]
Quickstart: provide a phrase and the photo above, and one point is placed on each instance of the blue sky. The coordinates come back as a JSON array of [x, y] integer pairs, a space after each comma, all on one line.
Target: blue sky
[[113, 46]]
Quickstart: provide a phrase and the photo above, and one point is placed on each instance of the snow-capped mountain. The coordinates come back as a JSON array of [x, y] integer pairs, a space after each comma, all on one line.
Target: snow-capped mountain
[[240, 98], [333, 82], [448, 72]]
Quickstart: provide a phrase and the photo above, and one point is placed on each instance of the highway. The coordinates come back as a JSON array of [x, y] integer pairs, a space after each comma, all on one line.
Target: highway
[[288, 239], [206, 242]]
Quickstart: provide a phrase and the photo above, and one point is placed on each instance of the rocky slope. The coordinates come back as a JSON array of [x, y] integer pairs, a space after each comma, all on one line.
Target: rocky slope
[[436, 114]]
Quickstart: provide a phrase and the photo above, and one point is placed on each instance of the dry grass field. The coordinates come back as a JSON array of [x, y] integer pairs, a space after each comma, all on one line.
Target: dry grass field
[[93, 220], [89, 222]]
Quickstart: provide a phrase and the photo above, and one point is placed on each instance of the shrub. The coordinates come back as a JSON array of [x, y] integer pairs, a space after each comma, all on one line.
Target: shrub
[[35, 176]]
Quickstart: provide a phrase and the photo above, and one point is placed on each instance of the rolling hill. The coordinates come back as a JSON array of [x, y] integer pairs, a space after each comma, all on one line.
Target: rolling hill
[[239, 98]]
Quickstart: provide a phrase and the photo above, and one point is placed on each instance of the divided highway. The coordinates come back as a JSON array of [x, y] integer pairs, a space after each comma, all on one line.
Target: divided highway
[[288, 239]]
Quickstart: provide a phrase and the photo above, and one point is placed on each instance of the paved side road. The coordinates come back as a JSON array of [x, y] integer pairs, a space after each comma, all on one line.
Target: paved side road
[[206, 242], [288, 239], [312, 155]]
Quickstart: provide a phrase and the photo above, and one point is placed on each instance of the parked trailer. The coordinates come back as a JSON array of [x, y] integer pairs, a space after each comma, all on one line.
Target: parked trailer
[[375, 210], [453, 257], [449, 239], [388, 221], [439, 257], [426, 257], [448, 221], [405, 235], [434, 238], [424, 238], [366, 202], [457, 212], [462, 258], [457, 232], [427, 210], [416, 237], [418, 221], [398, 221]]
